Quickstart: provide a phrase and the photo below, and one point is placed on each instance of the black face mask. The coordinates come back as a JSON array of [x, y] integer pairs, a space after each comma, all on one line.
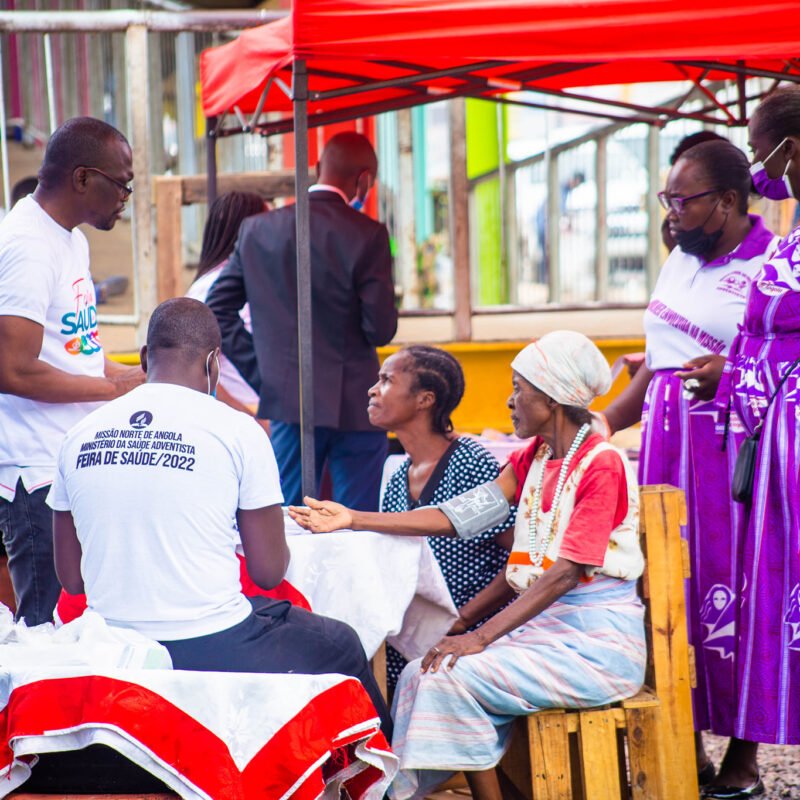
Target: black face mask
[[696, 242]]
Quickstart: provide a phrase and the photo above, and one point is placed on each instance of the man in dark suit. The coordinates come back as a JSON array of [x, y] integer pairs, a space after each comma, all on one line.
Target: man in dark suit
[[353, 311]]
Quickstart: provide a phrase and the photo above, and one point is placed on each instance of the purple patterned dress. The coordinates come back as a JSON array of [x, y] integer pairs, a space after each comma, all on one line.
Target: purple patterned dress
[[695, 310], [768, 594], [682, 446]]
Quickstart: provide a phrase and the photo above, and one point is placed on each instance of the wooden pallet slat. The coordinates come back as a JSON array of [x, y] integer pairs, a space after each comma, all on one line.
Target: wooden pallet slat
[[645, 754], [549, 754], [598, 745]]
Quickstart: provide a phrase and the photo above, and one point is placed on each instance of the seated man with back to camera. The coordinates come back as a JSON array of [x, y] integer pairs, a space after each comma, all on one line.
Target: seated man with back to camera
[[148, 494]]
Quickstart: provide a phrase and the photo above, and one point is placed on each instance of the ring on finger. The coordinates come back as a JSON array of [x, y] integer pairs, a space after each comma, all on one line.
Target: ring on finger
[[435, 650]]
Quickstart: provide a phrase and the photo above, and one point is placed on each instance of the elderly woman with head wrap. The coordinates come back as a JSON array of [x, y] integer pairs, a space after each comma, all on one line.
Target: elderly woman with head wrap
[[574, 635]]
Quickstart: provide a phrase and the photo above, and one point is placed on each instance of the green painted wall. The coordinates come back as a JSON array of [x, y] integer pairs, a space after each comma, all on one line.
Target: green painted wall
[[484, 146]]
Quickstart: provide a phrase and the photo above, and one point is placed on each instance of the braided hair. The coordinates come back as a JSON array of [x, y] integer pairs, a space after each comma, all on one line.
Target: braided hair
[[437, 371]]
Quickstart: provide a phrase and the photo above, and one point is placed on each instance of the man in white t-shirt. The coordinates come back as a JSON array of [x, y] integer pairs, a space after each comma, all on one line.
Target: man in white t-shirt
[[152, 493], [53, 370]]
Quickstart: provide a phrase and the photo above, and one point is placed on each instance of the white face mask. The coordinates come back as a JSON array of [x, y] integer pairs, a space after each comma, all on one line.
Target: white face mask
[[771, 188], [212, 392]]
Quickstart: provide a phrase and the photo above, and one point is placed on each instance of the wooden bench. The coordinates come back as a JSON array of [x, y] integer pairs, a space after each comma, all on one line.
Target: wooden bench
[[641, 748]]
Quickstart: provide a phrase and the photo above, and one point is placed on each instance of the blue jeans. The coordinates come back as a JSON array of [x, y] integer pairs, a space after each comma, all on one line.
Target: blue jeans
[[354, 460], [26, 524]]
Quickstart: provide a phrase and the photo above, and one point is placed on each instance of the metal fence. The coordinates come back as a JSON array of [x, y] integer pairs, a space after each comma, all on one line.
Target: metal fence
[[581, 224], [137, 68]]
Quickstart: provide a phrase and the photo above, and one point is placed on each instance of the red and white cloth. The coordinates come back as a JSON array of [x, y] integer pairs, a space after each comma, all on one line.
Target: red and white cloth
[[207, 735]]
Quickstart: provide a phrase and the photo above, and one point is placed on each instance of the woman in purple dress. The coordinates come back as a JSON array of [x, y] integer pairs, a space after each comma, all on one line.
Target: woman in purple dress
[[767, 619], [691, 321]]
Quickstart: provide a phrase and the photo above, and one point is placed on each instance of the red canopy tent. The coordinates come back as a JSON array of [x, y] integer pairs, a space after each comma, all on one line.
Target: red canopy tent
[[334, 60], [367, 56]]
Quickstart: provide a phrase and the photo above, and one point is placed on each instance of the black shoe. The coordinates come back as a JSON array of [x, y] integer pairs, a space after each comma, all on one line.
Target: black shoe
[[734, 792], [707, 774]]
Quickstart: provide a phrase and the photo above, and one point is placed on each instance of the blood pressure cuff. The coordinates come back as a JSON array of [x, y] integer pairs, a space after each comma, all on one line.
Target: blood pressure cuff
[[477, 510]]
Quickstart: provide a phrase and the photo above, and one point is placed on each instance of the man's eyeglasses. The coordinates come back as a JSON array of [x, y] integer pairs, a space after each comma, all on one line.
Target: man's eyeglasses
[[125, 188], [678, 204]]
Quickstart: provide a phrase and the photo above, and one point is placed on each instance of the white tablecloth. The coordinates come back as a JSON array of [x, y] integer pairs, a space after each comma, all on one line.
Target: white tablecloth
[[385, 587]]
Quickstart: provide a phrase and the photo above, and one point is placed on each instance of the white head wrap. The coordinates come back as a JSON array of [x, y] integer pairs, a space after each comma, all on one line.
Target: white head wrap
[[566, 366]]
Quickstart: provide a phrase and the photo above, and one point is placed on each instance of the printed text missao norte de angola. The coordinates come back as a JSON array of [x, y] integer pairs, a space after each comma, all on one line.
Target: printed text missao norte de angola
[[149, 448]]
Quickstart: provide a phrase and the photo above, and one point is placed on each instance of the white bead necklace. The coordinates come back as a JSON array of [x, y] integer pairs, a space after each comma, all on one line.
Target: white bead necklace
[[538, 546]]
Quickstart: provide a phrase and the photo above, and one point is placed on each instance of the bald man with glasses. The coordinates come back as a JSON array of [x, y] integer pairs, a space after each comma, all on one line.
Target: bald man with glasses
[[53, 370]]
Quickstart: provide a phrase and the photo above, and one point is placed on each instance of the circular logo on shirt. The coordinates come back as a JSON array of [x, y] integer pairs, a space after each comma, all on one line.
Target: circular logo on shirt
[[141, 419], [735, 283], [73, 346]]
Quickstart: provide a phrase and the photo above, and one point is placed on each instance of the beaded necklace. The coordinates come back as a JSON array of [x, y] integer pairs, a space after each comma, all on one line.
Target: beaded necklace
[[537, 547]]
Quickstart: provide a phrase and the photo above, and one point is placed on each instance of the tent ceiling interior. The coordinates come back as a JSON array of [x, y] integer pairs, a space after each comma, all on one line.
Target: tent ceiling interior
[[402, 53]]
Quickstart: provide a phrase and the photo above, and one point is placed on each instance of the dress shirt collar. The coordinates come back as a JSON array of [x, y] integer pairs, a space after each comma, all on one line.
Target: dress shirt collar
[[326, 187]]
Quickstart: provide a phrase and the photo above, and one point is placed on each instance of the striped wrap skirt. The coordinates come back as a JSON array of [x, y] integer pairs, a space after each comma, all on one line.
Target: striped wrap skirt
[[585, 650]]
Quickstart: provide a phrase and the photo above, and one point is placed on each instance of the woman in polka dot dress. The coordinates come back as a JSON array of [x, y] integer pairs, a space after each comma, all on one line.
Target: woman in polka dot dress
[[418, 389]]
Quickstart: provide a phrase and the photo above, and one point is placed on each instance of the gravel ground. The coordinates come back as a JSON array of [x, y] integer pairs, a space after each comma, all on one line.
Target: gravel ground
[[780, 766]]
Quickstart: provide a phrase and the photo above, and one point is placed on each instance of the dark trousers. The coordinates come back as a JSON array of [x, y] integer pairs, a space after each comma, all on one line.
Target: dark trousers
[[26, 524], [354, 460], [279, 638]]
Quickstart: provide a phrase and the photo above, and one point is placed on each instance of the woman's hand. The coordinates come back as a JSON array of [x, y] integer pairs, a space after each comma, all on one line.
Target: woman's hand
[[633, 363], [454, 647], [321, 516], [706, 370]]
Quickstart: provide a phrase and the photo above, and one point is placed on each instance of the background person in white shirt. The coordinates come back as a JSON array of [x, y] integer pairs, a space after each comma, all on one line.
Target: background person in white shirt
[[149, 492], [221, 230], [53, 370]]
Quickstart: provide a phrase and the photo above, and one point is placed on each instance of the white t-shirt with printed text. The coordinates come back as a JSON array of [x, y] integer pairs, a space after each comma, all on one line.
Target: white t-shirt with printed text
[[696, 307], [153, 480], [44, 277]]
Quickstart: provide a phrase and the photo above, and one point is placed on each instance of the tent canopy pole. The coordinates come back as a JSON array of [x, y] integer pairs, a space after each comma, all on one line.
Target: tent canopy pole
[[304, 321], [211, 159]]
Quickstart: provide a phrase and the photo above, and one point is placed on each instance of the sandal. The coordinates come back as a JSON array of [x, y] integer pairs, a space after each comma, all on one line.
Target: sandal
[[734, 792]]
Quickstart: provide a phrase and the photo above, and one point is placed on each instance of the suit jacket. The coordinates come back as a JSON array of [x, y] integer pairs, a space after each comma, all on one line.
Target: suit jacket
[[353, 309]]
